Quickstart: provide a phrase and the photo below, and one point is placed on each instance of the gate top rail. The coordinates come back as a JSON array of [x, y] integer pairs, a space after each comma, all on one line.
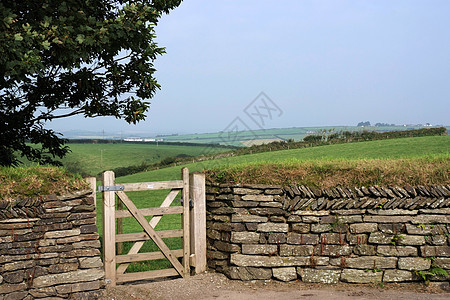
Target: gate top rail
[[149, 186]]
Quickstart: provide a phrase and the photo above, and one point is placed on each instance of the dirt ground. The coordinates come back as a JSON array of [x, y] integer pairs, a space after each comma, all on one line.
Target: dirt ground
[[217, 286]]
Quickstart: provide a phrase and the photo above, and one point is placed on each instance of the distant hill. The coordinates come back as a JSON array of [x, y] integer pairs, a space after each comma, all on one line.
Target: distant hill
[[238, 138]]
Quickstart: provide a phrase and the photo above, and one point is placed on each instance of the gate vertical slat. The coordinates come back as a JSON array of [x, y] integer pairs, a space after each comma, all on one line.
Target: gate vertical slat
[[198, 221], [109, 230], [186, 229]]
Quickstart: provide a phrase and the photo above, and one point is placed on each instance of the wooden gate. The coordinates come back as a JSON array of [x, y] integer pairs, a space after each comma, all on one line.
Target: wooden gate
[[193, 231]]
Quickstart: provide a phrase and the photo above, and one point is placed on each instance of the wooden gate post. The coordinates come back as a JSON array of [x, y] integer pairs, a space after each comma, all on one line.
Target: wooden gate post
[[109, 230], [198, 221], [92, 181]]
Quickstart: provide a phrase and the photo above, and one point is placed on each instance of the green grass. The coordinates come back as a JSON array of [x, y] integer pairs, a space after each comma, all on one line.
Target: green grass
[[37, 180], [382, 149], [92, 159]]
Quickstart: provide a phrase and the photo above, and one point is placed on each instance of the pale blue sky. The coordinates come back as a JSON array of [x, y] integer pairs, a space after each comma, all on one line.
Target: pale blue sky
[[322, 62]]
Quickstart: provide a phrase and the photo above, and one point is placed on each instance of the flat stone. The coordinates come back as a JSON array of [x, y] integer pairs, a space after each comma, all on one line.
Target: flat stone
[[69, 277], [274, 261], [318, 213], [441, 262], [267, 211], [332, 238], [271, 204], [333, 250], [285, 274], [357, 239], [318, 228], [414, 240], [413, 263], [393, 228], [227, 247], [380, 238], [360, 276], [397, 251], [249, 273], [363, 227], [371, 262], [276, 238], [346, 212], [273, 192], [9, 288], [365, 250], [87, 244], [387, 219], [273, 227], [392, 212], [245, 191], [82, 252], [296, 250], [443, 211], [90, 262], [435, 251], [43, 292], [245, 237], [248, 219], [62, 268], [319, 276], [349, 219], [257, 198], [302, 239], [61, 233], [397, 276], [311, 219], [18, 265], [259, 249], [19, 295], [301, 227], [431, 219], [14, 277]]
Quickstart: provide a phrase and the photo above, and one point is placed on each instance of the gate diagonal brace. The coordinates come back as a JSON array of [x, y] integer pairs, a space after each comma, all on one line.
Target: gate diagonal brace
[[111, 188]]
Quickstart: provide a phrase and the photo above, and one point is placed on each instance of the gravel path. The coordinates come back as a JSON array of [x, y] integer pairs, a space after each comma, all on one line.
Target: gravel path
[[217, 286]]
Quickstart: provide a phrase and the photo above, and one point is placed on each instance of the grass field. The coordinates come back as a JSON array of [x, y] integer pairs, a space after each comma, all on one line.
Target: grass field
[[382, 149], [295, 133], [91, 159], [437, 147]]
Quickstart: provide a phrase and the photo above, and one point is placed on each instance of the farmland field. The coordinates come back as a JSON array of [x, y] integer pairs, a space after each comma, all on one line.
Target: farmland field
[[381, 149], [295, 133], [91, 159]]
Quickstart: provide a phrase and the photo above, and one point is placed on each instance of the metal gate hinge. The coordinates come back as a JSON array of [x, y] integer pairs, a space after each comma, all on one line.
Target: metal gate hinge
[[191, 203], [112, 188]]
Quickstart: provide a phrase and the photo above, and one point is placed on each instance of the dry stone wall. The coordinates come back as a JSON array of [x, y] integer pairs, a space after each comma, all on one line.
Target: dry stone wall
[[358, 235], [49, 248]]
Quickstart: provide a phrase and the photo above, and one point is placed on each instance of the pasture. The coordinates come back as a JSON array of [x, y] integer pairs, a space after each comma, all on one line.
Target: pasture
[[92, 159]]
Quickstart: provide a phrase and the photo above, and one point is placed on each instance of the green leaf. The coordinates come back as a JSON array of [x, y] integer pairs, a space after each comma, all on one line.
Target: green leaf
[[46, 45], [80, 38], [18, 37]]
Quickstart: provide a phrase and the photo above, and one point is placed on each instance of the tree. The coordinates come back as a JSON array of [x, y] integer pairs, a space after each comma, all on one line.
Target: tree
[[362, 124], [73, 57]]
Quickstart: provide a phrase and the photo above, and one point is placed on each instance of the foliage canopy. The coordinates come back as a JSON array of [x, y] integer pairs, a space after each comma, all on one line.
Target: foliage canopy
[[73, 57]]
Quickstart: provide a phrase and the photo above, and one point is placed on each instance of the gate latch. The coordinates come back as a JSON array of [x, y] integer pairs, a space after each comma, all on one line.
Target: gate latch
[[112, 188]]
